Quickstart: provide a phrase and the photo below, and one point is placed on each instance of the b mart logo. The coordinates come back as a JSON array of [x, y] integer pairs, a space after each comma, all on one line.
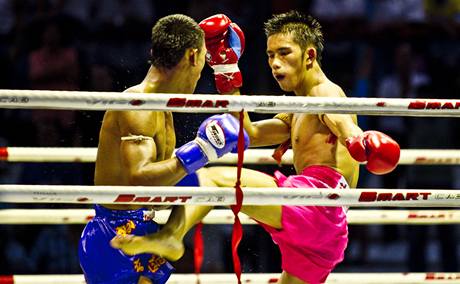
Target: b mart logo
[[147, 199], [372, 196], [134, 102], [182, 102], [433, 105], [417, 215], [448, 196], [442, 276], [13, 99], [107, 102], [448, 161]]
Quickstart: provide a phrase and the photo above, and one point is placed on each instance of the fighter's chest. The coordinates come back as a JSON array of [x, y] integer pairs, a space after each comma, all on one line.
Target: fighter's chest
[[303, 126]]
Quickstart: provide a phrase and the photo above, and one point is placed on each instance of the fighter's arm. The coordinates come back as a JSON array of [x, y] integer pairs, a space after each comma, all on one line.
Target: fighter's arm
[[379, 150], [266, 132], [343, 126], [138, 152]]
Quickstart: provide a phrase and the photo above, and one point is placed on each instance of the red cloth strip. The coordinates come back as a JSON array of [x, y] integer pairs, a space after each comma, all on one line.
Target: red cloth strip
[[279, 152], [237, 233], [3, 154], [198, 249], [7, 279]]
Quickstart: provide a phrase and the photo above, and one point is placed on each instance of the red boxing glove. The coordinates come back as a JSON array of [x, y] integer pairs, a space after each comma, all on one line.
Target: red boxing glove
[[225, 44], [378, 149]]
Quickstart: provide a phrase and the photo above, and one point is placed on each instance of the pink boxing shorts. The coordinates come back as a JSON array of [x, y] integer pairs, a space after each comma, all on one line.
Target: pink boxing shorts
[[313, 238]]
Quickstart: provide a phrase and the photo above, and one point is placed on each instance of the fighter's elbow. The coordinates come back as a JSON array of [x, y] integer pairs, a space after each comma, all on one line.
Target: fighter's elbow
[[255, 135], [136, 178], [342, 128], [254, 140], [146, 178]]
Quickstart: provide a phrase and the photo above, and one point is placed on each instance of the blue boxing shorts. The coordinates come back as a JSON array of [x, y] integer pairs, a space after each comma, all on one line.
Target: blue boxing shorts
[[103, 264]]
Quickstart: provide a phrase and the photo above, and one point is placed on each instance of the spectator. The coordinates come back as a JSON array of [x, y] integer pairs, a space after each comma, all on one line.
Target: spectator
[[6, 17], [119, 13], [339, 9], [428, 177], [54, 67], [397, 11]]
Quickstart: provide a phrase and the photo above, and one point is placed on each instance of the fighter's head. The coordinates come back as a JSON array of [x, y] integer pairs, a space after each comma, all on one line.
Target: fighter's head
[[177, 40], [294, 43]]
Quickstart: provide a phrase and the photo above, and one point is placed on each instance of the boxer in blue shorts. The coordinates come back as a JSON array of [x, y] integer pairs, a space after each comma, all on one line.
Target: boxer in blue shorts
[[103, 264], [121, 268], [136, 149]]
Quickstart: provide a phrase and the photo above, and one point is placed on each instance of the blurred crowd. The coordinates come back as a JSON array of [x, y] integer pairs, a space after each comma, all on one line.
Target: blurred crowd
[[373, 48]]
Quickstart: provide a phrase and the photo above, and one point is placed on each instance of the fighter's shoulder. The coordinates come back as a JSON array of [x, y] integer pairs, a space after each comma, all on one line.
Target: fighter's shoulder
[[134, 89], [138, 116], [138, 122], [327, 89]]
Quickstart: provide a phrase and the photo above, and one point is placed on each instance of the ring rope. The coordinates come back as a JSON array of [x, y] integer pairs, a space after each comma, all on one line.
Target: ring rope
[[251, 156], [170, 195], [221, 217], [256, 278], [77, 100]]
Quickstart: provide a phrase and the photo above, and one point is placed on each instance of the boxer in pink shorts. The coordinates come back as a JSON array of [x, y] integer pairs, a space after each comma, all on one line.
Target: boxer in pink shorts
[[327, 149], [313, 238]]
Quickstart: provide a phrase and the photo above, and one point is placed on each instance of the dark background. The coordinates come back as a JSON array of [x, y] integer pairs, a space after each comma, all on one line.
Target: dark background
[[382, 48]]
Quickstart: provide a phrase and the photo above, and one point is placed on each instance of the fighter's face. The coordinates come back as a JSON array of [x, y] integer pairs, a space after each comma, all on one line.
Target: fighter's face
[[285, 60]]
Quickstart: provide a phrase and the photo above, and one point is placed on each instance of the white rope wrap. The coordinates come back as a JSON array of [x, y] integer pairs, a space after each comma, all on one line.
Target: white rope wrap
[[225, 68], [257, 278], [136, 138], [408, 157], [251, 156], [45, 154], [169, 195], [220, 217], [73, 100]]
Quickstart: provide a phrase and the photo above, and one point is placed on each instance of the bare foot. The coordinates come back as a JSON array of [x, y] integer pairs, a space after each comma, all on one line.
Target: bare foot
[[164, 246]]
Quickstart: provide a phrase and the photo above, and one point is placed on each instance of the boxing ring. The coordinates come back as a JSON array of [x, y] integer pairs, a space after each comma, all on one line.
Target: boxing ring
[[255, 278], [226, 196]]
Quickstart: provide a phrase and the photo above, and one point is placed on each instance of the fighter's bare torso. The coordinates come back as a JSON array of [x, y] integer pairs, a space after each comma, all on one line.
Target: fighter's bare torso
[[110, 167], [313, 143]]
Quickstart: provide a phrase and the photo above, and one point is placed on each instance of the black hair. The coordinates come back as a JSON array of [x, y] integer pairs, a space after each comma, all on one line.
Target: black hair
[[171, 37], [305, 30]]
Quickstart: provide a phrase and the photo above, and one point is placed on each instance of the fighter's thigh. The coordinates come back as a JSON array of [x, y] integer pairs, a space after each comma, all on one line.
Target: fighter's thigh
[[204, 178], [267, 214], [226, 177], [144, 280], [287, 278]]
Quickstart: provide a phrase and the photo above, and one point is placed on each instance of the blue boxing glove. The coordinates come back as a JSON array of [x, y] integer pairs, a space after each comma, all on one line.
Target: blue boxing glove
[[217, 135]]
